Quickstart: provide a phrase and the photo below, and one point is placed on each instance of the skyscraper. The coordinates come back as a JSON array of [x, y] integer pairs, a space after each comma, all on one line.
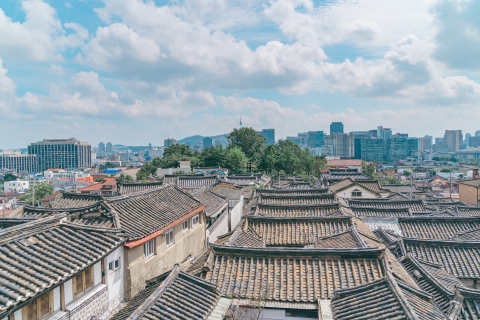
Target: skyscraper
[[477, 133], [343, 145], [296, 140], [207, 142], [427, 142], [109, 148], [336, 127], [384, 133], [453, 139], [269, 135], [61, 153], [168, 142], [101, 147], [315, 139]]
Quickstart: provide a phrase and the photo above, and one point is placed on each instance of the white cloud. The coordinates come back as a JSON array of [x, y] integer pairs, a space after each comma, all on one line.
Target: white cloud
[[41, 37], [7, 86]]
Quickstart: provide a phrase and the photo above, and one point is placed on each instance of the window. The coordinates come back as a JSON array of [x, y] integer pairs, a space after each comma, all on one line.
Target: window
[[88, 278], [169, 237], [356, 193], [149, 248], [78, 284], [44, 305], [185, 224], [114, 265], [195, 220]]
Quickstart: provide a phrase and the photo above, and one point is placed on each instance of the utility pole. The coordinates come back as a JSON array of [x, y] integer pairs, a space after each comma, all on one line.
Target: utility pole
[[33, 197]]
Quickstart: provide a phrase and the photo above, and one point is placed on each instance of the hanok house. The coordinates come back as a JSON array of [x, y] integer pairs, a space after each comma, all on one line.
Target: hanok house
[[359, 189], [53, 268], [334, 176], [469, 191], [108, 187], [176, 295], [163, 226]]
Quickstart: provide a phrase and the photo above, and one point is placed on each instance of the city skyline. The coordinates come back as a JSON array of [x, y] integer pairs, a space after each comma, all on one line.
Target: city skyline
[[133, 71]]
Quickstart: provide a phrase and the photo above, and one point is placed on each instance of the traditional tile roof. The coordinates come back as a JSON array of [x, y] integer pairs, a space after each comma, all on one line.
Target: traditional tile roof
[[436, 227], [37, 255], [292, 192], [402, 188], [97, 215], [468, 211], [248, 179], [381, 212], [469, 235], [335, 176], [297, 200], [459, 258], [297, 231], [212, 201], [370, 185], [129, 188], [413, 205], [290, 275], [143, 213], [347, 239], [298, 185], [242, 236], [174, 295], [298, 211], [74, 200], [387, 298], [190, 181]]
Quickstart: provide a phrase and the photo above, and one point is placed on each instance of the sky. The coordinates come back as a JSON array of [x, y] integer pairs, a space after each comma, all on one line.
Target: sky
[[136, 72]]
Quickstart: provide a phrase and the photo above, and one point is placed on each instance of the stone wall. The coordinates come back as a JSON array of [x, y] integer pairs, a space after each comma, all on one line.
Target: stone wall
[[95, 304]]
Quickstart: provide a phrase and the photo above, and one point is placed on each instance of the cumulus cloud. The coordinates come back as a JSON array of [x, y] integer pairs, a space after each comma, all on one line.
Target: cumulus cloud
[[41, 37]]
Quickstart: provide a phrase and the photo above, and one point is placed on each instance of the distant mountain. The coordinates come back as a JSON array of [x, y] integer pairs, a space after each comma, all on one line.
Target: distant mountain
[[196, 140]]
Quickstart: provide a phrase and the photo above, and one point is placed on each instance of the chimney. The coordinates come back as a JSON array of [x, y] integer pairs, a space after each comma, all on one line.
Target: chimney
[[475, 173]]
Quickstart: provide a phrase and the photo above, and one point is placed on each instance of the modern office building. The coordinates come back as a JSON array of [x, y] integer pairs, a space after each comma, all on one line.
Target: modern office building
[[315, 139], [427, 142], [477, 133], [412, 147], [396, 149], [101, 148], [453, 139], [304, 138], [296, 140], [343, 145], [207, 142], [61, 153], [109, 148], [269, 135], [336, 127], [168, 142], [371, 149], [384, 133], [474, 142], [17, 162]]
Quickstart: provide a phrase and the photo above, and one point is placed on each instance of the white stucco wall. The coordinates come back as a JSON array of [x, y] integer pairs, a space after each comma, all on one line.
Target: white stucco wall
[[347, 193], [17, 315], [97, 273], [56, 299], [219, 227], [68, 291], [115, 278], [236, 213]]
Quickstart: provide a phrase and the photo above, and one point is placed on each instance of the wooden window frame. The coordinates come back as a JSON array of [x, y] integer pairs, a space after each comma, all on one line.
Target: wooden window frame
[[111, 265], [185, 225], [37, 303], [356, 193]]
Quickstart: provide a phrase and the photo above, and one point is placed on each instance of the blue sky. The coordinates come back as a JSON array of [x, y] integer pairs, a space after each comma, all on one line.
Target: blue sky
[[136, 72]]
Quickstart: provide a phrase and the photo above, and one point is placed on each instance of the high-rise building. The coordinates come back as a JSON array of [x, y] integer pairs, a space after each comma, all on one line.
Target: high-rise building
[[315, 139], [474, 142], [336, 127], [17, 162], [296, 140], [477, 133], [396, 149], [168, 142], [371, 149], [343, 145], [101, 147], [453, 140], [304, 138], [412, 147], [466, 142], [439, 140], [207, 142], [384, 133], [109, 148], [427, 142], [61, 153], [269, 135]]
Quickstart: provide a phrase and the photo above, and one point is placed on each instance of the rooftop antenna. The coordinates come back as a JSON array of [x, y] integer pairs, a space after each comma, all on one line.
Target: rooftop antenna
[[240, 121]]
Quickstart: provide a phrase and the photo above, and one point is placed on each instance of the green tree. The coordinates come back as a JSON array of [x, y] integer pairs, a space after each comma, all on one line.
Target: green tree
[[41, 190], [248, 140], [9, 177], [236, 160], [320, 165], [368, 169], [268, 159], [124, 178], [214, 156]]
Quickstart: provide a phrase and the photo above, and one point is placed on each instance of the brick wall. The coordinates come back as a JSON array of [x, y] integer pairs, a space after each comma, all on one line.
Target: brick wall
[[93, 306]]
